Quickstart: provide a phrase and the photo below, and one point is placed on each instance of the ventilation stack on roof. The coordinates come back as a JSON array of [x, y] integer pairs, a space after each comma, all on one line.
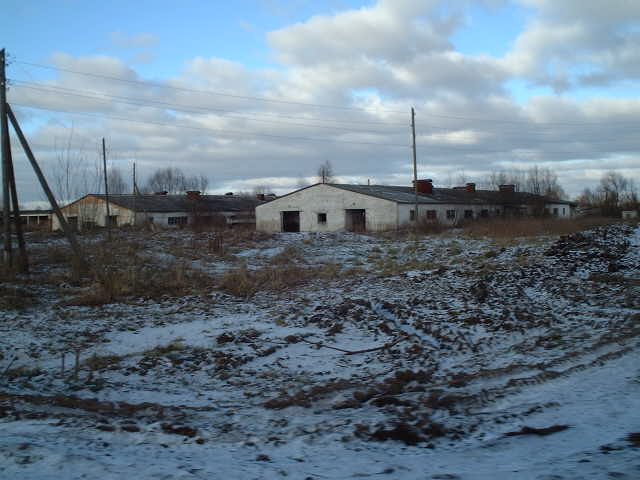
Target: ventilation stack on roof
[[507, 188], [471, 187], [193, 195], [425, 187]]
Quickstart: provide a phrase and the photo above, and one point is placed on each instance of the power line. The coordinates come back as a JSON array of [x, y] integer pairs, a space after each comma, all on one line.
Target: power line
[[34, 85], [177, 107], [206, 92], [211, 130], [290, 102], [225, 113]]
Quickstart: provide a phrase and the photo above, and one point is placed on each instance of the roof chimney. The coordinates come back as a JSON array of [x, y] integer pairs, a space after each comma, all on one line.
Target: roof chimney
[[425, 187], [260, 196], [507, 188], [193, 195], [471, 187]]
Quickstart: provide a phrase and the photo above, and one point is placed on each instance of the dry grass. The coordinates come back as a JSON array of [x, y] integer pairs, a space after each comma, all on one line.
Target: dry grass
[[245, 283], [508, 228], [118, 270], [96, 362], [13, 298]]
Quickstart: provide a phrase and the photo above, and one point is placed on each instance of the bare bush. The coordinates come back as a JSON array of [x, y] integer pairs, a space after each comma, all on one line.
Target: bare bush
[[530, 226]]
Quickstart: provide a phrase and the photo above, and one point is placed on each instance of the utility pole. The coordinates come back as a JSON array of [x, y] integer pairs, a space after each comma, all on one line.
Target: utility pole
[[4, 129], [415, 166], [106, 188], [80, 264]]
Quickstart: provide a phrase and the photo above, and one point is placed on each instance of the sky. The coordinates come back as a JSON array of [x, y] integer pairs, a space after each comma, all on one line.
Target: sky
[[258, 94]]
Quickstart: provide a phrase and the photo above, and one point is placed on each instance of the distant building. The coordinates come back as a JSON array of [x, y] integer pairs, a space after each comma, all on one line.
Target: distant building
[[335, 207], [32, 219], [160, 209]]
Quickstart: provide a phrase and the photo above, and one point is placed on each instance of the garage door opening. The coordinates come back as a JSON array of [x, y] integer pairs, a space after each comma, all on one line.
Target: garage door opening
[[290, 221], [356, 220]]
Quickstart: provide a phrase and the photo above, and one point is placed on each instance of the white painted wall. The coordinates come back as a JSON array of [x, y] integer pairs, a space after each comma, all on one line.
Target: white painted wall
[[92, 209], [563, 210], [380, 214]]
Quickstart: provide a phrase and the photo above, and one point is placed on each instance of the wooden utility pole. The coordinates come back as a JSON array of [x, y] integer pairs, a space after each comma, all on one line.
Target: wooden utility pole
[[106, 188], [415, 165], [5, 162], [80, 264], [24, 262]]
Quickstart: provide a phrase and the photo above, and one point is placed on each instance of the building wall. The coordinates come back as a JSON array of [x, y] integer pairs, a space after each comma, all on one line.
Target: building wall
[[404, 214], [380, 214], [92, 211], [563, 210]]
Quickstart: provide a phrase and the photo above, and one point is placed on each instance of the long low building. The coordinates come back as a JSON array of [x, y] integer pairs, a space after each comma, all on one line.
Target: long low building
[[32, 219], [160, 209], [334, 207]]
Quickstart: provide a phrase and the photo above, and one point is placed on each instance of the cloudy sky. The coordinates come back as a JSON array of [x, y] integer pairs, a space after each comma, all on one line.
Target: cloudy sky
[[261, 92]]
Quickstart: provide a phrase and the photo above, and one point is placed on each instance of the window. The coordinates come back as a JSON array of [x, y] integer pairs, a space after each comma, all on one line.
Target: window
[[322, 218], [177, 220], [484, 213], [111, 221], [412, 215], [555, 212], [563, 211], [468, 214], [432, 215], [451, 214]]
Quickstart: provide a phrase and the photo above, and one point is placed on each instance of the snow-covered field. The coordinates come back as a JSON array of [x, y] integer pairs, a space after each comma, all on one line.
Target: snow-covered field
[[442, 357]]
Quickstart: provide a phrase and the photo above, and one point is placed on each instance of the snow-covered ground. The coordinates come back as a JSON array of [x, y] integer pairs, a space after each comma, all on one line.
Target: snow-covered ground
[[442, 357]]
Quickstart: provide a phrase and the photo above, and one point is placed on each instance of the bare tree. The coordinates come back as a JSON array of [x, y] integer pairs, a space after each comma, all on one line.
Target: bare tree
[[116, 182], [71, 175], [174, 181], [543, 181], [616, 193], [505, 177], [325, 172]]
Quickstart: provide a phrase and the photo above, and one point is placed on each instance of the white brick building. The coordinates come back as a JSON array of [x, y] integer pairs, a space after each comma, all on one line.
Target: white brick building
[[337, 207]]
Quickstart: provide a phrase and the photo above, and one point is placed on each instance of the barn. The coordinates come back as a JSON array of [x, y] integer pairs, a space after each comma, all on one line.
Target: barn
[[331, 207], [160, 209]]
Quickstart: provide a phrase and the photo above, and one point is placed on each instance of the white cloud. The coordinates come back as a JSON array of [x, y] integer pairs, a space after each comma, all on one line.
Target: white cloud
[[574, 43]]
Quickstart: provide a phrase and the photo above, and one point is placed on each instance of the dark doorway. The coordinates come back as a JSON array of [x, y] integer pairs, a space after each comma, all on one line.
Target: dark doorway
[[290, 221], [356, 220]]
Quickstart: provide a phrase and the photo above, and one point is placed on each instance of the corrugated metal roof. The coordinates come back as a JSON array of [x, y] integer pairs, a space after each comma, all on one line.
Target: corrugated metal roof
[[443, 195], [180, 203]]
